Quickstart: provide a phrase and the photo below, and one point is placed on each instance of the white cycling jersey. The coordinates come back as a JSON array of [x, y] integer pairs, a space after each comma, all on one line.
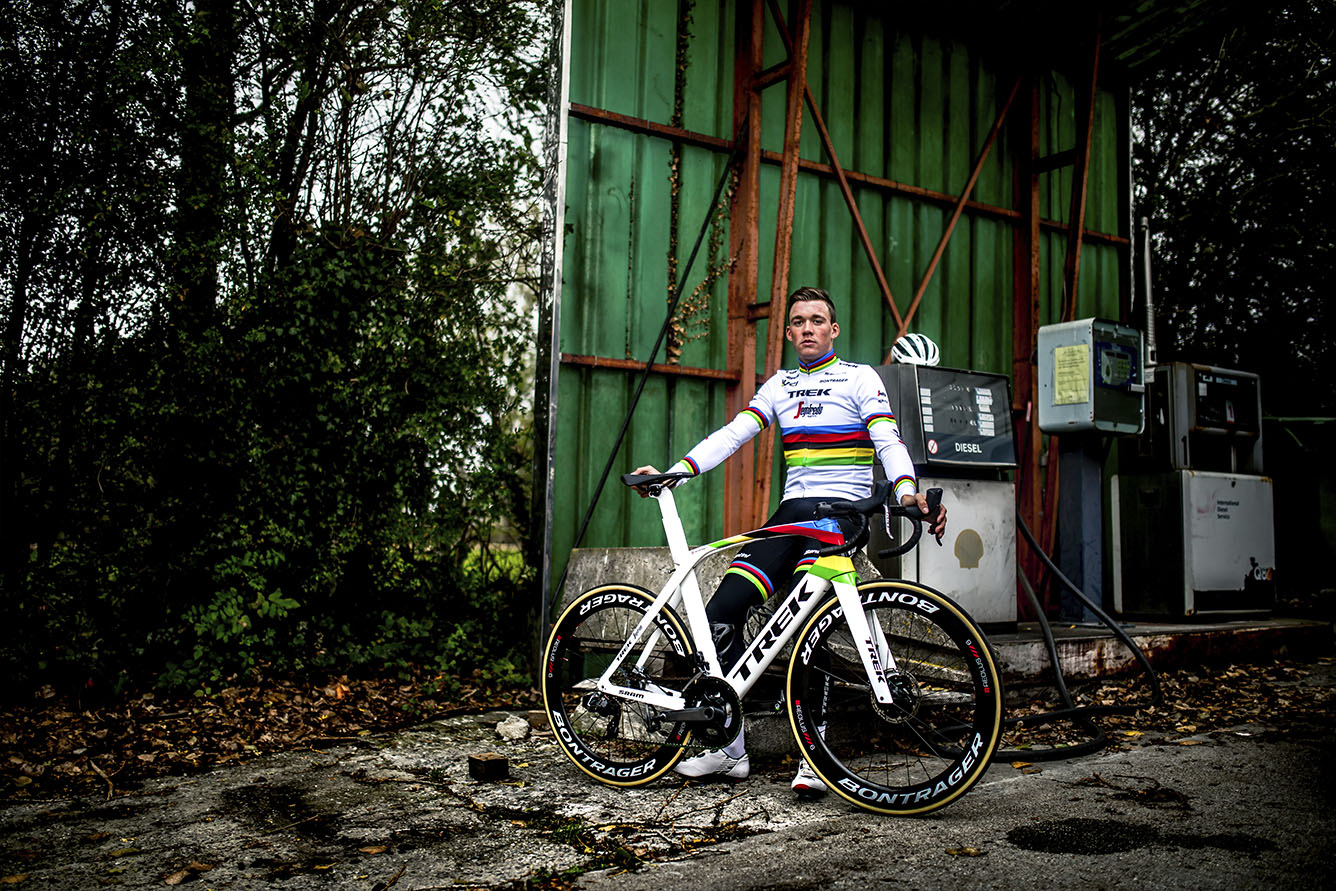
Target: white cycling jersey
[[833, 417]]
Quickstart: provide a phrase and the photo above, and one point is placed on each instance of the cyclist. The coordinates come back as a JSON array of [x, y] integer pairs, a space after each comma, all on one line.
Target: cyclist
[[833, 417]]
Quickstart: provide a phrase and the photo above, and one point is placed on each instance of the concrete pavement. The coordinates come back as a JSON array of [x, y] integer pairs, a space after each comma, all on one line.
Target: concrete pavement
[[1244, 807]]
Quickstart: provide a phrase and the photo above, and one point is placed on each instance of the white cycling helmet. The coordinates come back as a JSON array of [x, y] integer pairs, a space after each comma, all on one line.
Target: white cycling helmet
[[915, 349]]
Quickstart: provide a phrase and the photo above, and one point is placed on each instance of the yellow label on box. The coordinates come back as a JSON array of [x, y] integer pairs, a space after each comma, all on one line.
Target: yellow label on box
[[1071, 374]]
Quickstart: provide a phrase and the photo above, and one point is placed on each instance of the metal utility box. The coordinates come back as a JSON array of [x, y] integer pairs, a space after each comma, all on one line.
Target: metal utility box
[[1205, 418], [1192, 543], [957, 427], [1090, 378]]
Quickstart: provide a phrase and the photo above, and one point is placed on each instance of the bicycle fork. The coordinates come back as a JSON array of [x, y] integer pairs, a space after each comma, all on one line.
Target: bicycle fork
[[869, 638]]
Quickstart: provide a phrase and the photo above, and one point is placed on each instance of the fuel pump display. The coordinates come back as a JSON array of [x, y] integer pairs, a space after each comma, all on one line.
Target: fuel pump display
[[952, 418]]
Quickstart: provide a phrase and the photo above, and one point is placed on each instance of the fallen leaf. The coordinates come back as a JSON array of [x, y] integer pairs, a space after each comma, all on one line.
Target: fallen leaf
[[1032, 769], [964, 852], [1019, 764], [14, 880], [374, 849]]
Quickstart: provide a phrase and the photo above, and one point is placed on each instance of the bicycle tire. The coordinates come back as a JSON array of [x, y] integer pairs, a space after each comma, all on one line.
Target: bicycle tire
[[613, 740], [916, 755]]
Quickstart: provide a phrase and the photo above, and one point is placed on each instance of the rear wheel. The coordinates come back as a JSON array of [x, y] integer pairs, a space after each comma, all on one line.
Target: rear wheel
[[926, 748], [615, 741]]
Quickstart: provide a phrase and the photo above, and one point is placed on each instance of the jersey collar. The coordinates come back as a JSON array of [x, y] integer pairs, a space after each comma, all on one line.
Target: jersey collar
[[820, 364]]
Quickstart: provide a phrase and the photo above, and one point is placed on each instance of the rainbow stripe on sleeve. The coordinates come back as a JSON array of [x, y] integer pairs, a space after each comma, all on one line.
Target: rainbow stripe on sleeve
[[756, 416]]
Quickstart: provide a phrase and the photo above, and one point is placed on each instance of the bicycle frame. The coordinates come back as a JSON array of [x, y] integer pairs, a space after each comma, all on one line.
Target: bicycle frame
[[683, 589]]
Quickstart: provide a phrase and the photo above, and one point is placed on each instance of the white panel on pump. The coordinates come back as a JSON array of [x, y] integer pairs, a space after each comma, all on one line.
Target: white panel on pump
[[976, 564]]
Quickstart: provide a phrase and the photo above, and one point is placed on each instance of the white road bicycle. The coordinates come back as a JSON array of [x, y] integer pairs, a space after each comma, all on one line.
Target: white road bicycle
[[892, 692]]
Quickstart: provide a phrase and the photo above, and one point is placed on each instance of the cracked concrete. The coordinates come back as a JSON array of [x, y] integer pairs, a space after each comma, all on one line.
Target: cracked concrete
[[1250, 807]]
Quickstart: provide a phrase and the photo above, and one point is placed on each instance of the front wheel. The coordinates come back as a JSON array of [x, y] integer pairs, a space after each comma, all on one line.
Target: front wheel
[[924, 749], [615, 741]]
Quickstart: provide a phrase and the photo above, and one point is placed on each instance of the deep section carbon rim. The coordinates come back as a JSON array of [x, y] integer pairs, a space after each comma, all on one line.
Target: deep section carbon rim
[[617, 742], [932, 743]]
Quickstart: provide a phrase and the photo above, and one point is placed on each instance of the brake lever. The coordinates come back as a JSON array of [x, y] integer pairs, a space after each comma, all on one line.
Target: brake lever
[[917, 518]]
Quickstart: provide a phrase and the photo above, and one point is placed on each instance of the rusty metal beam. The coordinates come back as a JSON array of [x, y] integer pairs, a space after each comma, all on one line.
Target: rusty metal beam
[[1081, 184], [744, 240], [771, 76], [1055, 161], [649, 128], [779, 279], [903, 325], [882, 184], [1025, 330], [718, 374]]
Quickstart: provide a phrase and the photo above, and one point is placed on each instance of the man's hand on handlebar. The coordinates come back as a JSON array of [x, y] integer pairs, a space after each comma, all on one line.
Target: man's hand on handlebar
[[936, 526]]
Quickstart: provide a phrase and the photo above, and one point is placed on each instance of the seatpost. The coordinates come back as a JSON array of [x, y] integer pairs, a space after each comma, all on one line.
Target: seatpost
[[672, 527], [689, 591]]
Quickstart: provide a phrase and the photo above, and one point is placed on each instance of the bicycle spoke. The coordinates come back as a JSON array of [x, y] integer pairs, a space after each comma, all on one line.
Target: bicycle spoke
[[912, 753], [616, 741]]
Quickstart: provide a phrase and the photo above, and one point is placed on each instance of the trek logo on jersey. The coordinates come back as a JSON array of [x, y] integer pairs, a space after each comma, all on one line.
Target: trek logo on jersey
[[796, 394]]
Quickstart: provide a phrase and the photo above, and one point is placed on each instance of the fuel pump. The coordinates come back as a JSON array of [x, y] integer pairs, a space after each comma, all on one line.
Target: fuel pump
[[1192, 510], [957, 427]]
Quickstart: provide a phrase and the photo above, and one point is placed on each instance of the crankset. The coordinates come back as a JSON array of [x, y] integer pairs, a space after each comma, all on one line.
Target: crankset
[[715, 713]]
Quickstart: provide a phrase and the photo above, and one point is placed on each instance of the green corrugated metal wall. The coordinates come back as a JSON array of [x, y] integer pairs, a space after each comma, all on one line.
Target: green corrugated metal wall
[[907, 105]]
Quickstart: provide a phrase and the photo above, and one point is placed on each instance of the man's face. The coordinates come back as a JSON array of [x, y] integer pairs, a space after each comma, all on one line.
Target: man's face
[[810, 329]]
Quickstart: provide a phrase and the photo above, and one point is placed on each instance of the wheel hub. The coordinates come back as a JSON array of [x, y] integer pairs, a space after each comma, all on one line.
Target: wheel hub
[[905, 698]]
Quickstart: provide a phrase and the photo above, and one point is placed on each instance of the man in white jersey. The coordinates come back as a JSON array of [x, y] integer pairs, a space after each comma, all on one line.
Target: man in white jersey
[[834, 418]]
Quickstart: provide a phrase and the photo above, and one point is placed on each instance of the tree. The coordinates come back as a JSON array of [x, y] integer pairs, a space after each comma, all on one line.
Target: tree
[[1234, 166], [260, 354]]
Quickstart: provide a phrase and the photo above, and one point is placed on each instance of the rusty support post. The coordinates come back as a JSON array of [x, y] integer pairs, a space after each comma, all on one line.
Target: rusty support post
[[1025, 330], [1071, 272], [779, 280], [743, 236], [903, 325], [840, 176], [1080, 184]]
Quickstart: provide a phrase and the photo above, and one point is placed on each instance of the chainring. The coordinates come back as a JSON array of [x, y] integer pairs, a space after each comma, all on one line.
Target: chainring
[[715, 692]]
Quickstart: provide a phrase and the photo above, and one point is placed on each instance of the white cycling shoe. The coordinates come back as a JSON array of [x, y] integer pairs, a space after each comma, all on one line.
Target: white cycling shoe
[[715, 763], [806, 783]]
